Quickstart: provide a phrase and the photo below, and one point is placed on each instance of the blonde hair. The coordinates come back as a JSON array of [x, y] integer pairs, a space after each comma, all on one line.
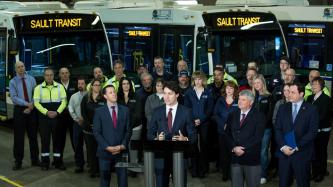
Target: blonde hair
[[201, 75], [263, 81]]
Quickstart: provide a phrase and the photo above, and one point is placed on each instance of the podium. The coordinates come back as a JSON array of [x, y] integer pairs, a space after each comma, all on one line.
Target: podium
[[177, 148]]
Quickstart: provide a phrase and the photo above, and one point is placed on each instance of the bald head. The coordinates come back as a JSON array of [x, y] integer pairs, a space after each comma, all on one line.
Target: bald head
[[181, 65], [313, 74], [64, 74], [289, 76], [19, 68]]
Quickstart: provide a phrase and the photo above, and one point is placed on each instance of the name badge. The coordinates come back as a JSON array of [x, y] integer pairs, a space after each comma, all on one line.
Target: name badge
[[132, 101], [235, 105], [264, 101], [204, 96], [100, 103]]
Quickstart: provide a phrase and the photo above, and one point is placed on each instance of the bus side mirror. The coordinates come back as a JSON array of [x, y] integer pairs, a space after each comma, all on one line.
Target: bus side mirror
[[206, 34], [12, 45]]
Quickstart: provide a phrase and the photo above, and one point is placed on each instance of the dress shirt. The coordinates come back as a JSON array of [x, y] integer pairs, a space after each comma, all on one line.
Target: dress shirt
[[74, 106], [16, 89], [246, 112], [65, 84], [110, 109], [299, 104], [174, 110], [316, 96]]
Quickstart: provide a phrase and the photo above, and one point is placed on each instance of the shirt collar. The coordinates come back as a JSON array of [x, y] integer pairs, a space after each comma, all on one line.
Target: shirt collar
[[174, 107], [111, 104], [246, 112]]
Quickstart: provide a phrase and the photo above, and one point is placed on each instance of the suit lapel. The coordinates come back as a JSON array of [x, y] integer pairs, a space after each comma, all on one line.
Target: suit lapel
[[247, 118], [108, 115], [175, 125]]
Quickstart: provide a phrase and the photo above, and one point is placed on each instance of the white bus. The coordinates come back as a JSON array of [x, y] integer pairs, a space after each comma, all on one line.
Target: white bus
[[48, 34], [139, 31]]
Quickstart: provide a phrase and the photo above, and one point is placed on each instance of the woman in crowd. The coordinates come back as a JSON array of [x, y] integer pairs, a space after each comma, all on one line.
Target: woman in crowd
[[263, 103], [323, 104], [225, 105], [92, 100], [126, 96], [200, 100], [155, 100]]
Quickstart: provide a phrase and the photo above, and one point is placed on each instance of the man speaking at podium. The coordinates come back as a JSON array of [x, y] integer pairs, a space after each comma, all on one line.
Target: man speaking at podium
[[170, 122]]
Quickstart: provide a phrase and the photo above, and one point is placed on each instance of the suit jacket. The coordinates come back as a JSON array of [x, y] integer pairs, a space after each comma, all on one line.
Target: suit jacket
[[183, 122], [323, 104], [305, 128], [249, 135], [104, 132]]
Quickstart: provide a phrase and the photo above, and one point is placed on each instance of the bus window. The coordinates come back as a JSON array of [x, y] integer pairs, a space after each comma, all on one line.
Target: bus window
[[3, 51], [79, 51], [176, 43], [236, 50]]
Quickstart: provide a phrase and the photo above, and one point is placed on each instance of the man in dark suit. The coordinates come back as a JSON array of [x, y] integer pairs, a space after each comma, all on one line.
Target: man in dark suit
[[112, 132], [244, 131], [170, 122], [301, 120], [65, 120]]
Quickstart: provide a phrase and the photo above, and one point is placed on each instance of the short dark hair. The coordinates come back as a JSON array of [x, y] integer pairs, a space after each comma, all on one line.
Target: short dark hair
[[107, 86], [48, 69], [158, 57], [118, 61], [320, 80], [172, 85], [300, 87], [81, 78], [285, 58]]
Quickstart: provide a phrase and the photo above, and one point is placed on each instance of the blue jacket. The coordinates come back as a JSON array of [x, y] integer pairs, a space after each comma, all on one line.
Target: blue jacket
[[222, 111], [104, 132], [305, 127], [201, 108]]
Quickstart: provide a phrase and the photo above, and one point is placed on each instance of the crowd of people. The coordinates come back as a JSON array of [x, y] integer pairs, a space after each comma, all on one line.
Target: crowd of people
[[254, 128]]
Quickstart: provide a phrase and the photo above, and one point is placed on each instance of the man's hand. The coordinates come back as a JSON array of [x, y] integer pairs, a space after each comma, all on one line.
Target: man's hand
[[115, 149], [80, 121], [238, 150], [288, 150], [26, 111], [51, 114], [30, 106], [197, 122], [179, 137]]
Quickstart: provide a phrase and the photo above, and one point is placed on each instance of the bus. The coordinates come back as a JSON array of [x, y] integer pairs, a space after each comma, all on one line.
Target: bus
[[309, 33], [48, 34], [140, 30]]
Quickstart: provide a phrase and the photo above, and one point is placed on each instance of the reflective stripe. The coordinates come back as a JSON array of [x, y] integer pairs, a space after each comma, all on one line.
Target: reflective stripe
[[45, 154], [56, 154], [325, 129]]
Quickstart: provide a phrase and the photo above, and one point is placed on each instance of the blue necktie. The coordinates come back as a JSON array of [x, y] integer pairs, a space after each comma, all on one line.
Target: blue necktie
[[294, 112]]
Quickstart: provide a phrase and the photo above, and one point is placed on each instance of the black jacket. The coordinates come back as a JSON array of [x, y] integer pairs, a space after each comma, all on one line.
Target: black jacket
[[248, 136]]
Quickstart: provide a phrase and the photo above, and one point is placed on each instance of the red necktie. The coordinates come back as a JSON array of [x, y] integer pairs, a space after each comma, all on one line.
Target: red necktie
[[170, 119], [25, 91], [114, 117], [242, 120]]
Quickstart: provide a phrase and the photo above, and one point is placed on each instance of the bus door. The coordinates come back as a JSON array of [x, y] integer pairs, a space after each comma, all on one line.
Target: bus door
[[134, 44], [176, 43], [3, 59]]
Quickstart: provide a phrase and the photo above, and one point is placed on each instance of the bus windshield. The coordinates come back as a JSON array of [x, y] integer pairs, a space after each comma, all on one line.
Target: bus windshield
[[236, 50], [79, 52]]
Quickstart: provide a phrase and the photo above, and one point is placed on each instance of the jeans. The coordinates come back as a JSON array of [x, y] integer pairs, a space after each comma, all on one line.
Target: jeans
[[264, 151]]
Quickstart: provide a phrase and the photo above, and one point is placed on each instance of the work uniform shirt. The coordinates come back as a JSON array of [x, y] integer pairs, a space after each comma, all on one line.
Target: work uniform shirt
[[50, 97]]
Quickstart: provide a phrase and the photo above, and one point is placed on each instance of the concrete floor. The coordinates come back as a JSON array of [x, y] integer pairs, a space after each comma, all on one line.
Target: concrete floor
[[34, 177]]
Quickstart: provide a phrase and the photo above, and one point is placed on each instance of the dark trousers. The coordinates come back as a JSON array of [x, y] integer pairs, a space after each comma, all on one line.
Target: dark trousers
[[91, 153], [65, 122], [78, 144], [47, 129], [224, 156], [241, 174], [105, 165], [25, 122], [200, 159], [289, 166], [319, 165]]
